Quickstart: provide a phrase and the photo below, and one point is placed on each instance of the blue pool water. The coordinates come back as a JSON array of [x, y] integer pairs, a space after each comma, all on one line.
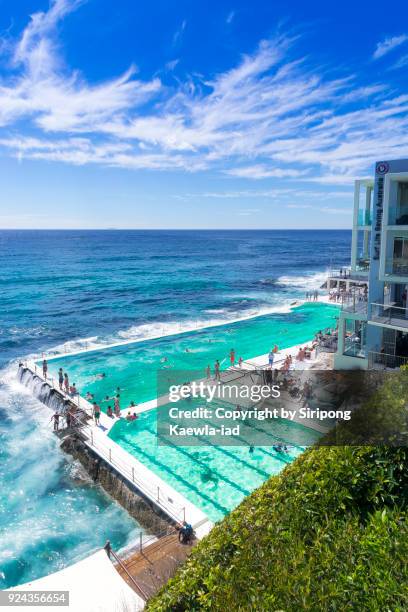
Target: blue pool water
[[64, 288], [214, 478]]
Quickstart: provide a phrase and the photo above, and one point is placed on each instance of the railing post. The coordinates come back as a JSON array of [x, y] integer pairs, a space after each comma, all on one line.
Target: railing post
[[110, 455], [92, 438], [133, 474], [158, 493], [140, 541], [108, 548]]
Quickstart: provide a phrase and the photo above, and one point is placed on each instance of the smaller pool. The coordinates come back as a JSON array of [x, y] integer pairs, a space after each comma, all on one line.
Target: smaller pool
[[214, 478]]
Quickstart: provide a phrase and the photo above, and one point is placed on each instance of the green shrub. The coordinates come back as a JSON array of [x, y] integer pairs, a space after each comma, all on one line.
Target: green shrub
[[328, 533]]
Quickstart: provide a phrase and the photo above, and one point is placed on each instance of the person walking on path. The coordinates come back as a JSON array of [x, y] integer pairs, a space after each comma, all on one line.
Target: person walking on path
[[45, 368], [217, 370], [232, 357], [66, 383], [96, 413]]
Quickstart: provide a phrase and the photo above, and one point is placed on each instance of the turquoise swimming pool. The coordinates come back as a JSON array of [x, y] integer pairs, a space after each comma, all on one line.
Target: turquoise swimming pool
[[134, 367], [214, 478]]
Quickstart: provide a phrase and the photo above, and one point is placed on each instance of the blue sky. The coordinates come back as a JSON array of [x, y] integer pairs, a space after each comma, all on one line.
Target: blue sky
[[185, 114]]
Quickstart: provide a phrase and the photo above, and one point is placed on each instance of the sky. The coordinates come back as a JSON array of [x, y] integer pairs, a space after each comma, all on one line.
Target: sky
[[216, 114]]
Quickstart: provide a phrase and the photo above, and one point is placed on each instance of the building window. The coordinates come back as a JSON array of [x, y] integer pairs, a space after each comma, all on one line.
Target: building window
[[402, 205]]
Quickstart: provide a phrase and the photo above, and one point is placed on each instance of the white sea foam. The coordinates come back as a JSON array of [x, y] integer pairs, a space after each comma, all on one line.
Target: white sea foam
[[312, 281]]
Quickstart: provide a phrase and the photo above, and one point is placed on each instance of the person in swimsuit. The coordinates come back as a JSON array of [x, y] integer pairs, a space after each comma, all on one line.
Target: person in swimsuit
[[217, 370], [45, 368], [109, 412], [116, 403], [61, 379], [232, 357], [208, 372], [240, 360], [66, 383], [96, 413]]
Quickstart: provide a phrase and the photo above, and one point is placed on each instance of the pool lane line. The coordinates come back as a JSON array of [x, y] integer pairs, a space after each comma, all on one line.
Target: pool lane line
[[188, 484], [200, 463]]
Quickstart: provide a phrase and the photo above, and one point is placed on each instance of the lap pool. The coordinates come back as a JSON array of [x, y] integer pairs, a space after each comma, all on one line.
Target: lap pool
[[134, 367], [214, 478]]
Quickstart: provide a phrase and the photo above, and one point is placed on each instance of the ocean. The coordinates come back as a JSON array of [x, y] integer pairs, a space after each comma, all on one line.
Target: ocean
[[63, 290]]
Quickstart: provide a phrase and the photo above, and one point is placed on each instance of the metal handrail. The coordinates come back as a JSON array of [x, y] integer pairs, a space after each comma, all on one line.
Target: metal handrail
[[387, 360], [106, 453], [110, 552]]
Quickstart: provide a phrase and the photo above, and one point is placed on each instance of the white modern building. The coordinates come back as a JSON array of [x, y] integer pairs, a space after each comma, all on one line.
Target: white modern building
[[374, 331]]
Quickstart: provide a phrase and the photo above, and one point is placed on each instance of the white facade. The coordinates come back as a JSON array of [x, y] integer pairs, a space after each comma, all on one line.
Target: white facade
[[377, 333]]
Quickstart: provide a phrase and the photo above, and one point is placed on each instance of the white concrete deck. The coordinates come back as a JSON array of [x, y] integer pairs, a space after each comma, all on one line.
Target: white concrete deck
[[94, 585]]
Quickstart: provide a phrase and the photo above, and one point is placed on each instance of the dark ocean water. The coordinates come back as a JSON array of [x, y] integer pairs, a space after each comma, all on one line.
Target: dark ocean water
[[60, 289]]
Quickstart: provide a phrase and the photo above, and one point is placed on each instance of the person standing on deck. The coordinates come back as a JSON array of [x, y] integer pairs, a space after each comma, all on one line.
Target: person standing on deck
[[61, 379], [271, 358], [96, 413], [232, 357], [208, 372], [116, 405], [45, 368], [217, 370], [240, 360], [66, 383]]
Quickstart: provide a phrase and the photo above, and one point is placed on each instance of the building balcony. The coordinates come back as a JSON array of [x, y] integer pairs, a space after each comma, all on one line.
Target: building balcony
[[397, 215], [397, 266], [385, 361], [389, 315], [364, 217], [362, 264]]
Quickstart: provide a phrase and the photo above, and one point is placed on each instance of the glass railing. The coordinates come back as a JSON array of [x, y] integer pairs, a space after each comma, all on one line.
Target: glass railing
[[353, 347], [362, 264], [397, 215], [397, 266], [364, 217], [389, 314]]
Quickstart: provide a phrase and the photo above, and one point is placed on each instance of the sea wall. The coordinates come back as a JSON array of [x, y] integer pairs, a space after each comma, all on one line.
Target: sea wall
[[137, 505], [43, 390], [142, 509]]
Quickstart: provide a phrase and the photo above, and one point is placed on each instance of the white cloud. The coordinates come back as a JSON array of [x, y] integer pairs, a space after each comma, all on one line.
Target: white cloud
[[272, 116], [230, 17], [401, 63], [261, 171], [388, 44]]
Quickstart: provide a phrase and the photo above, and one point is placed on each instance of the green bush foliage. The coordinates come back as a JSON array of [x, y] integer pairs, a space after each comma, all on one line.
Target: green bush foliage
[[329, 533]]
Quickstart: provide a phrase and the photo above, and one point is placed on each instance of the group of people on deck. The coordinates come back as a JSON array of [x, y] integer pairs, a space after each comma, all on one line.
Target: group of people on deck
[[72, 391], [217, 365], [312, 296]]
